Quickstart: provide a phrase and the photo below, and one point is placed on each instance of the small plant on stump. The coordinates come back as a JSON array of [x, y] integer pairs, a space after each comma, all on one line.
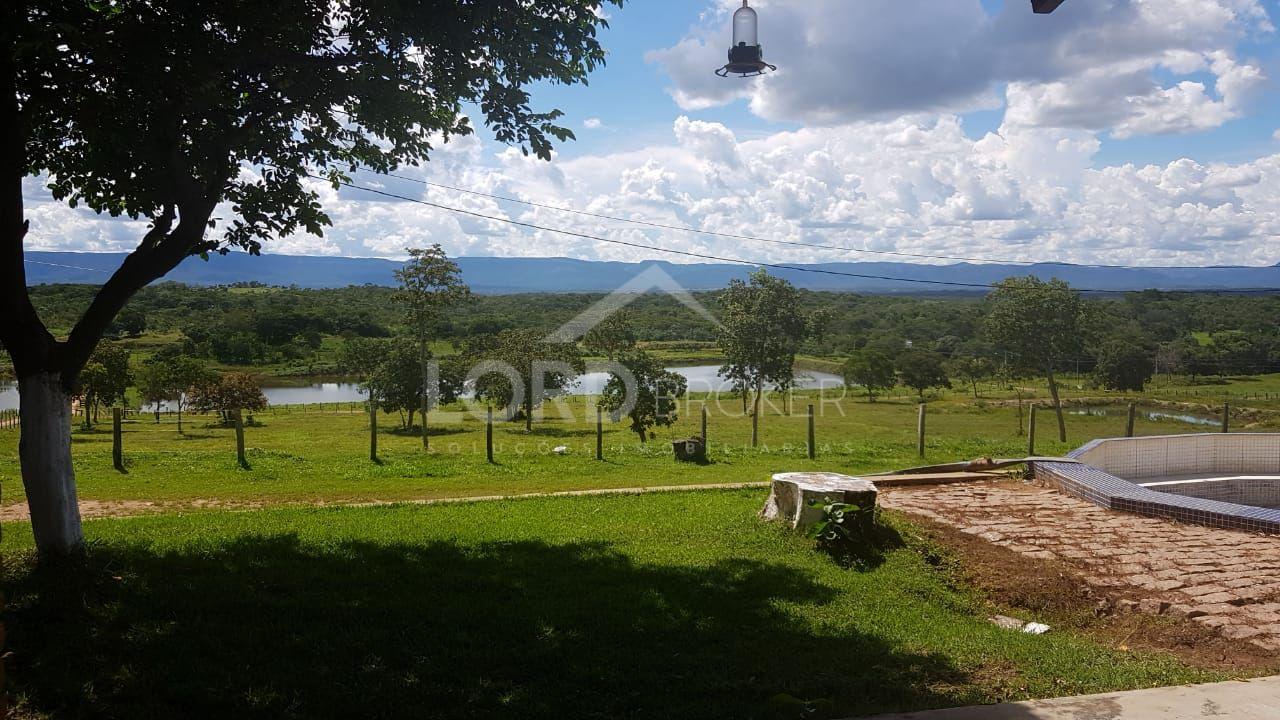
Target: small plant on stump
[[847, 532]]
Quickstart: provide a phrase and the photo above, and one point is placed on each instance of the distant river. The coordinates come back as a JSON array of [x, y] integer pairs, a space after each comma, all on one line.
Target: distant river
[[702, 379]]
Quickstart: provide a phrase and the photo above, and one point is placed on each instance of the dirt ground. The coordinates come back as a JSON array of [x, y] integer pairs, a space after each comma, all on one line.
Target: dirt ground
[[1210, 596], [1052, 591]]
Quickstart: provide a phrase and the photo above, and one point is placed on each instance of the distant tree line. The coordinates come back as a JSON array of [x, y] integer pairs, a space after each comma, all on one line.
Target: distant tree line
[[1122, 340]]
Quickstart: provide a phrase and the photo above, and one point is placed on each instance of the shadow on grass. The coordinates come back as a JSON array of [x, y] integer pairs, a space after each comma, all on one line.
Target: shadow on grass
[[416, 431], [867, 552], [554, 432], [267, 627]]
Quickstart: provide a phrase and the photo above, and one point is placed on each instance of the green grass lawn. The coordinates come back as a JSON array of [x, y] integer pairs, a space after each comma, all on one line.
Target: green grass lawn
[[298, 456], [309, 456], [678, 605]]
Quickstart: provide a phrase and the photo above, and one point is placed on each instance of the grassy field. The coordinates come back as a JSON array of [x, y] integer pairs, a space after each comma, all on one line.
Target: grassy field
[[658, 606], [304, 455]]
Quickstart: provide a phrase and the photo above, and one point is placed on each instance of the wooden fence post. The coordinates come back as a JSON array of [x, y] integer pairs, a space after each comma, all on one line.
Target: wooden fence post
[[373, 431], [1133, 416], [1226, 417], [239, 419], [117, 440], [599, 433], [706, 443], [813, 448], [1031, 433], [488, 436], [920, 432]]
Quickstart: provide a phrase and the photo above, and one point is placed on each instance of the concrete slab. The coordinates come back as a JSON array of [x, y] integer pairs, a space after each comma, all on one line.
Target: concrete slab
[[1238, 700]]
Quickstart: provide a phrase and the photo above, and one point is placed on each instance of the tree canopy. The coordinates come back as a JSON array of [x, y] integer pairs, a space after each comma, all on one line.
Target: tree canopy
[[165, 111], [1036, 323], [870, 369], [657, 393], [522, 356], [922, 370], [763, 325]]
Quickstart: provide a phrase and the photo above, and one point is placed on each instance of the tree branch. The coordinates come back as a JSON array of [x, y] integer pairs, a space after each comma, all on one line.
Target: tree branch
[[21, 331], [160, 251]]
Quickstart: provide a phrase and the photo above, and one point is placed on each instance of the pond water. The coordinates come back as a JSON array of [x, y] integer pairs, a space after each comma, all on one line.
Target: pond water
[[702, 378], [1153, 414]]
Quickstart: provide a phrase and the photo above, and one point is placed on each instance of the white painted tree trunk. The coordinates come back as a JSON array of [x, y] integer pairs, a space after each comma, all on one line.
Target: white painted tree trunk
[[47, 472]]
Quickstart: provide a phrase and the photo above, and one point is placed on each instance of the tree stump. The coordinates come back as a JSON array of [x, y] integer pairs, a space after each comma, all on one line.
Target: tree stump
[[798, 498]]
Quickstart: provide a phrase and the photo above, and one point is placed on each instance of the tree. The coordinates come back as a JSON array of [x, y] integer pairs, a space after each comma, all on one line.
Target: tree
[[871, 369], [1171, 357], [453, 378], [363, 358], [129, 322], [1201, 360], [971, 369], [167, 112], [1037, 324], [528, 357], [170, 377], [611, 336], [1123, 364], [153, 386], [228, 393], [657, 392], [399, 379], [763, 325], [106, 379], [921, 370], [430, 283]]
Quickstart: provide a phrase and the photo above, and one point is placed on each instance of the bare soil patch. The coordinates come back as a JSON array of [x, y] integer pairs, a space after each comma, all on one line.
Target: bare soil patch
[[1054, 592]]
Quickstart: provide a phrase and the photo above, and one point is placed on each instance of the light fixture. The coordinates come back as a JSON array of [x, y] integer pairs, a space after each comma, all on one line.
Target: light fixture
[[746, 57]]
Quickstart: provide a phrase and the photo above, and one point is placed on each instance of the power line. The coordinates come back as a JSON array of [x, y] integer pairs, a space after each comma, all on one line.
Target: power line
[[69, 267], [775, 241], [708, 256]]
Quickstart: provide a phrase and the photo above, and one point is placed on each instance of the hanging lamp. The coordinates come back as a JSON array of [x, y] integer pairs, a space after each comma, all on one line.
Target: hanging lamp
[[746, 57]]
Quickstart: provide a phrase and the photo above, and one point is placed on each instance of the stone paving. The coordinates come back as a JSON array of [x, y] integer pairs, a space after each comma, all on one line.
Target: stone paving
[[1223, 579]]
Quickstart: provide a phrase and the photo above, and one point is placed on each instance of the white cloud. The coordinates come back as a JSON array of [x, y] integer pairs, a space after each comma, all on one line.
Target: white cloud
[[914, 184], [1093, 65], [592, 123]]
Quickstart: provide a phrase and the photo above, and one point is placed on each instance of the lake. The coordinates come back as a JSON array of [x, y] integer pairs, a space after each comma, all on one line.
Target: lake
[[701, 378], [1154, 414]]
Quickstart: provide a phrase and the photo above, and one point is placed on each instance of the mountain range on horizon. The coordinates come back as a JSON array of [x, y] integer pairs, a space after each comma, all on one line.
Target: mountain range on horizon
[[495, 275]]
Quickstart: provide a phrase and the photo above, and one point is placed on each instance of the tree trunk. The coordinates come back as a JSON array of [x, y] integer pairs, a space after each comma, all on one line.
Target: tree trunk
[[643, 439], [47, 472], [426, 441], [423, 352], [179, 416], [528, 417], [157, 412], [755, 417], [1057, 406], [975, 388], [411, 412]]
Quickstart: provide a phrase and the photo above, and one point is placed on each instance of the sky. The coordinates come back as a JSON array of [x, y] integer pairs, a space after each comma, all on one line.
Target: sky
[[1142, 132]]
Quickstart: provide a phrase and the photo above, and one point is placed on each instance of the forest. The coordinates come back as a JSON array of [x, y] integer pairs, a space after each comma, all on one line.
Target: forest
[[297, 331]]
